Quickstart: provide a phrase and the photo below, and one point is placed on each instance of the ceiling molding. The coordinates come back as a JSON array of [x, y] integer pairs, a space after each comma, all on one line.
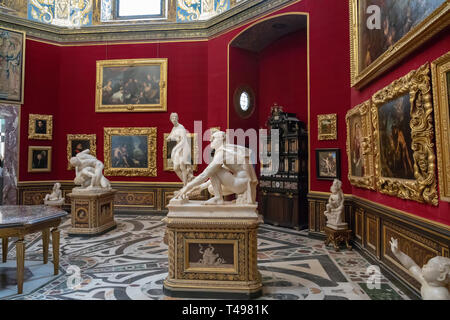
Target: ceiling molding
[[145, 31]]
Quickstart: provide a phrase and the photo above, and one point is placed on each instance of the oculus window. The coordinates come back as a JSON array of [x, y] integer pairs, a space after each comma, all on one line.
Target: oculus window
[[140, 9], [244, 101]]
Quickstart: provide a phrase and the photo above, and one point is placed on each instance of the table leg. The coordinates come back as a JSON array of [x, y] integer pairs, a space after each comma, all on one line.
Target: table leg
[[20, 254], [55, 245], [45, 242], [5, 248]]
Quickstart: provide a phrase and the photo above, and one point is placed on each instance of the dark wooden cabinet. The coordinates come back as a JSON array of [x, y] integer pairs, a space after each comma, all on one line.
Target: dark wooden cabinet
[[283, 188]]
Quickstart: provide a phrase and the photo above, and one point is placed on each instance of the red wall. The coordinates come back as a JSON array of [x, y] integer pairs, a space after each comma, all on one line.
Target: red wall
[[61, 81]]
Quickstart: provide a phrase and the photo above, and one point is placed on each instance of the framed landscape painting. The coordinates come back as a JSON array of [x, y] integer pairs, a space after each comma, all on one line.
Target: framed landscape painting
[[328, 164], [79, 142], [12, 61], [130, 151], [327, 126], [135, 85], [403, 130], [385, 31], [360, 146]]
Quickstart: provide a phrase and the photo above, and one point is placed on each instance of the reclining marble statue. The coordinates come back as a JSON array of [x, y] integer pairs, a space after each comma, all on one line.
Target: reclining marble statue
[[230, 172], [335, 207], [89, 173], [434, 276], [54, 198], [181, 152]]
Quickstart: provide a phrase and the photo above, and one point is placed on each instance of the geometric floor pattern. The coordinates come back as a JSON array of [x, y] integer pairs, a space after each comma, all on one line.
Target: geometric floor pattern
[[130, 262]]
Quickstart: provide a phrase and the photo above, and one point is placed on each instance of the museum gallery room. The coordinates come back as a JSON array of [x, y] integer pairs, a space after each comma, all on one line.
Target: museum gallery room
[[225, 149]]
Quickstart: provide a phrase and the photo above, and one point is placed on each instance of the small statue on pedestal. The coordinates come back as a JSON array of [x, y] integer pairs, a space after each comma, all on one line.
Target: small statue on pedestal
[[335, 207], [55, 198], [434, 276], [181, 153], [230, 172], [88, 173]]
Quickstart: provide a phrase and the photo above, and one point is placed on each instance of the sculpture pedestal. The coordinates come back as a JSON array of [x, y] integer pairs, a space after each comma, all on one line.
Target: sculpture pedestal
[[212, 251], [92, 213], [337, 236], [54, 203]]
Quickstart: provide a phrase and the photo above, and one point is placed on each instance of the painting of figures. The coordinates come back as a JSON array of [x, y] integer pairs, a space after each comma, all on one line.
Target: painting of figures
[[328, 164], [396, 155], [12, 51]]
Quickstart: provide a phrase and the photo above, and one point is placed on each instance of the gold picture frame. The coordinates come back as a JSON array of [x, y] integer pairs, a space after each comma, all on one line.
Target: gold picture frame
[[167, 166], [40, 126], [39, 159], [441, 90], [124, 86], [87, 141], [415, 89], [361, 171], [436, 21], [327, 126], [9, 93], [135, 159]]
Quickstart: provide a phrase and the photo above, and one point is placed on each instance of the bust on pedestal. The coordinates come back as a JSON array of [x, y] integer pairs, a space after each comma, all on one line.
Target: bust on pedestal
[[213, 243], [54, 199], [336, 229], [92, 204]]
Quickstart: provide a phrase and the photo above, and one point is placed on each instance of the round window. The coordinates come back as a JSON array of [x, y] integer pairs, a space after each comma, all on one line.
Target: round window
[[244, 101]]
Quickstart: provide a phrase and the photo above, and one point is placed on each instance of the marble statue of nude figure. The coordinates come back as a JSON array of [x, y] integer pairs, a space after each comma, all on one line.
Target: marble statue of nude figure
[[230, 172]]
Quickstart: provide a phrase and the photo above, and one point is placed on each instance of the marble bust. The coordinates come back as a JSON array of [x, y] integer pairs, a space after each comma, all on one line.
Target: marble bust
[[89, 173], [181, 153], [54, 198], [433, 276], [230, 172], [335, 207]]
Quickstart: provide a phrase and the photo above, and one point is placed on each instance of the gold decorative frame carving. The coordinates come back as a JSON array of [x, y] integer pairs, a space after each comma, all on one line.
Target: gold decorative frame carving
[[32, 127], [30, 158], [194, 152], [423, 187], [430, 26], [441, 88], [161, 106], [324, 117], [151, 169], [368, 179], [70, 137]]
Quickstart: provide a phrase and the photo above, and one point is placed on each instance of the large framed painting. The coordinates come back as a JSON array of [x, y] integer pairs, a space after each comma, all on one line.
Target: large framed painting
[[402, 123], [385, 31], [79, 142], [39, 159], [327, 126], [441, 90], [40, 126], [12, 66], [360, 146], [130, 151], [169, 145], [136, 85], [328, 164]]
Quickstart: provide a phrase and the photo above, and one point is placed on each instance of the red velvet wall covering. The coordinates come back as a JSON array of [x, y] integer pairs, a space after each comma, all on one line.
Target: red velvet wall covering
[[198, 90]]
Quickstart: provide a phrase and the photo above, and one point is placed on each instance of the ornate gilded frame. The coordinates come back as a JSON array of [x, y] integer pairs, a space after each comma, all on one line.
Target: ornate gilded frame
[[441, 87], [368, 180], [93, 147], [430, 26], [32, 127], [327, 136], [22, 68], [161, 106], [151, 133], [194, 151], [423, 188], [30, 158]]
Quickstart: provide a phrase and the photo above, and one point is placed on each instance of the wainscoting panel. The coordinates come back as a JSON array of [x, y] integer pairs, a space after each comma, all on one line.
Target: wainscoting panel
[[374, 225]]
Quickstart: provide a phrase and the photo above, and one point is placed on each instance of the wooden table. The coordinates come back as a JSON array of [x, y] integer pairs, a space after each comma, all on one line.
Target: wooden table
[[18, 221]]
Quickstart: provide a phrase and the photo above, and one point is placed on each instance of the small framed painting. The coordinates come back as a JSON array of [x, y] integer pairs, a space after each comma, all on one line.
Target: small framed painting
[[327, 125], [79, 142], [40, 126], [328, 164], [39, 159]]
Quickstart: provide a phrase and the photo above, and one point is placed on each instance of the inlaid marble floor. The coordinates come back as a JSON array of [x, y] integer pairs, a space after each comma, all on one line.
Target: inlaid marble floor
[[130, 262]]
